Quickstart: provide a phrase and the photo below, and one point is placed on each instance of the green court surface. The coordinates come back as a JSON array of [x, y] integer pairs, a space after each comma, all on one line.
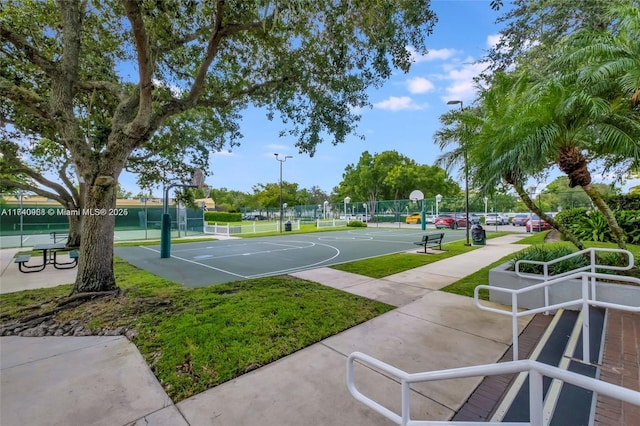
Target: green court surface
[[214, 262]]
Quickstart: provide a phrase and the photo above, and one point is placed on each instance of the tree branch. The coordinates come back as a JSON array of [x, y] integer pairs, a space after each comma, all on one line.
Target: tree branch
[[31, 188], [62, 174], [145, 66], [33, 55], [34, 103], [107, 86], [212, 49]]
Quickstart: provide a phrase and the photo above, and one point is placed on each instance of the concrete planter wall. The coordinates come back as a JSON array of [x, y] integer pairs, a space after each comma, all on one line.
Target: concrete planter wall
[[570, 290]]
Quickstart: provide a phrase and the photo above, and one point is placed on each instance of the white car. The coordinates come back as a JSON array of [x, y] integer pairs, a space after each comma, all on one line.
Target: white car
[[495, 219]]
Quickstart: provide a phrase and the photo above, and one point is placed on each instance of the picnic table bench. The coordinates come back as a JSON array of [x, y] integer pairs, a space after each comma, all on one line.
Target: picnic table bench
[[431, 240], [49, 257]]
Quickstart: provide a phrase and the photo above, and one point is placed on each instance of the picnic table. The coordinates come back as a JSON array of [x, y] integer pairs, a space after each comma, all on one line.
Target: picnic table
[[49, 257]]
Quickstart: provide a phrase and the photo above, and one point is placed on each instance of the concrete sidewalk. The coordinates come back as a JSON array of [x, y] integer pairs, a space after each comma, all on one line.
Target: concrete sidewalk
[[104, 380]]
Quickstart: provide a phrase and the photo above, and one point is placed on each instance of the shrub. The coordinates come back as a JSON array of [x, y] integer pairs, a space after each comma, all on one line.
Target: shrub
[[545, 254], [222, 217], [357, 224], [570, 216], [629, 221], [623, 201], [592, 227]]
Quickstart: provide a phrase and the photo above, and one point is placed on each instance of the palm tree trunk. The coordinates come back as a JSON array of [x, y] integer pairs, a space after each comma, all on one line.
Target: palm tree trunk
[[616, 230], [568, 235]]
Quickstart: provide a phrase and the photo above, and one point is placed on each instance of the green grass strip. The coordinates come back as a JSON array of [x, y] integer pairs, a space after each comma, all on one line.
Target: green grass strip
[[194, 339]]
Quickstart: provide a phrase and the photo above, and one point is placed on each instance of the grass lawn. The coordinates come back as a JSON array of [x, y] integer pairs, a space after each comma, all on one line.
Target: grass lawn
[[194, 339], [383, 266]]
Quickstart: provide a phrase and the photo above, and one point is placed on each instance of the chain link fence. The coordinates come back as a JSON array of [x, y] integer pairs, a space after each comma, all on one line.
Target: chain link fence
[[137, 219]]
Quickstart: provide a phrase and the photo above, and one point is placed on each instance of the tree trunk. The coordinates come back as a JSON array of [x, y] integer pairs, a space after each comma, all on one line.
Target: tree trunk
[[568, 235], [617, 232], [74, 231], [95, 264]]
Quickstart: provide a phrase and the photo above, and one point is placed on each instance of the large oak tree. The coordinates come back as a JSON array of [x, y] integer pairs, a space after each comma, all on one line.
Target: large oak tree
[[100, 79]]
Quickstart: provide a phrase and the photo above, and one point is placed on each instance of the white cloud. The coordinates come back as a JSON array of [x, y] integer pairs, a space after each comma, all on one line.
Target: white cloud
[[432, 55], [419, 85], [395, 103], [462, 87], [493, 39], [277, 147]]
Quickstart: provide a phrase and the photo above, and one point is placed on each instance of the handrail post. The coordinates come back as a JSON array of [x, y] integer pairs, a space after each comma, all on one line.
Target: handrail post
[[535, 398], [586, 349], [514, 324], [406, 403], [593, 271]]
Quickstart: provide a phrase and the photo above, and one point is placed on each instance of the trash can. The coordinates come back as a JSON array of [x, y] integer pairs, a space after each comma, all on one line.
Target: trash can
[[287, 225], [478, 235]]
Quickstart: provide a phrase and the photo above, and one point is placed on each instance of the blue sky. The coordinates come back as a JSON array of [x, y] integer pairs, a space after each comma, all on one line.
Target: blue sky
[[404, 115]]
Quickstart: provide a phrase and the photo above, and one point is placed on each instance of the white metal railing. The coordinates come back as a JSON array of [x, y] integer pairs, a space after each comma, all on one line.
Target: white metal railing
[[592, 267], [247, 228], [535, 369], [585, 300]]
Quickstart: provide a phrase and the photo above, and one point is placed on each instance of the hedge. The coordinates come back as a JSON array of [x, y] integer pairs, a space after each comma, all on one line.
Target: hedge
[[222, 217]]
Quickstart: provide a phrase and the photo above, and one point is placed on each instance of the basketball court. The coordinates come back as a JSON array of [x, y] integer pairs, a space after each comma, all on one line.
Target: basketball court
[[213, 262]]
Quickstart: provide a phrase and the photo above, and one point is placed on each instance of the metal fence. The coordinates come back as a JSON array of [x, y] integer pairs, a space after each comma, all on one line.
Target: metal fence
[[134, 220]]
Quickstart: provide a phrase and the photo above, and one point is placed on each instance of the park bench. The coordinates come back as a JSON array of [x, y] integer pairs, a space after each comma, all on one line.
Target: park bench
[[431, 240], [73, 255], [23, 258]]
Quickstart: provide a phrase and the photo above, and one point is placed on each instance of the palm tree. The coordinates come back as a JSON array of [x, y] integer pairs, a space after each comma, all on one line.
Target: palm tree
[[611, 55], [489, 135]]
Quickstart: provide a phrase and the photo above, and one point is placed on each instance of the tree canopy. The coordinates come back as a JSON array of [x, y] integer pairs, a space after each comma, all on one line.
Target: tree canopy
[[159, 84], [390, 175]]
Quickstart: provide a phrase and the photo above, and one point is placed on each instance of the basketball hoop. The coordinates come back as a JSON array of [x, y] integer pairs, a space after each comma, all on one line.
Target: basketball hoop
[[197, 180]]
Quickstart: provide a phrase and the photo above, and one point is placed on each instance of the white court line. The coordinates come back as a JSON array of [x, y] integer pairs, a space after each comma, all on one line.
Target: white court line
[[197, 263], [251, 253], [302, 267], [225, 246]]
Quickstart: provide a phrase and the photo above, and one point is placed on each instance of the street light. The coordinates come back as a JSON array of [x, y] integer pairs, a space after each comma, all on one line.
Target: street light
[[346, 201], [325, 204], [281, 161], [485, 199], [438, 199], [466, 179], [365, 212]]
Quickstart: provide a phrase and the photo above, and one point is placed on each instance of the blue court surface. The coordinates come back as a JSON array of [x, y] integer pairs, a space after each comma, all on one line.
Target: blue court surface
[[213, 262]]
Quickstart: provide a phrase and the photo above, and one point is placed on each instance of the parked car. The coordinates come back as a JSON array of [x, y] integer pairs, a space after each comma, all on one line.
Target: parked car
[[450, 221], [536, 224], [495, 219], [474, 219], [414, 218], [520, 219], [417, 218]]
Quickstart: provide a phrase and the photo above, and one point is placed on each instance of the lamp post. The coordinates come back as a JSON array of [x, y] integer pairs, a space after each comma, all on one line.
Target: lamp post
[[281, 161], [466, 179], [346, 201], [365, 212], [438, 199], [325, 204], [485, 199]]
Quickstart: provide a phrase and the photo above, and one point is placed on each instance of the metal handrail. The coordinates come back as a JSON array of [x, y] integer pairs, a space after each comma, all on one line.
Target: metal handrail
[[535, 369], [585, 301]]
